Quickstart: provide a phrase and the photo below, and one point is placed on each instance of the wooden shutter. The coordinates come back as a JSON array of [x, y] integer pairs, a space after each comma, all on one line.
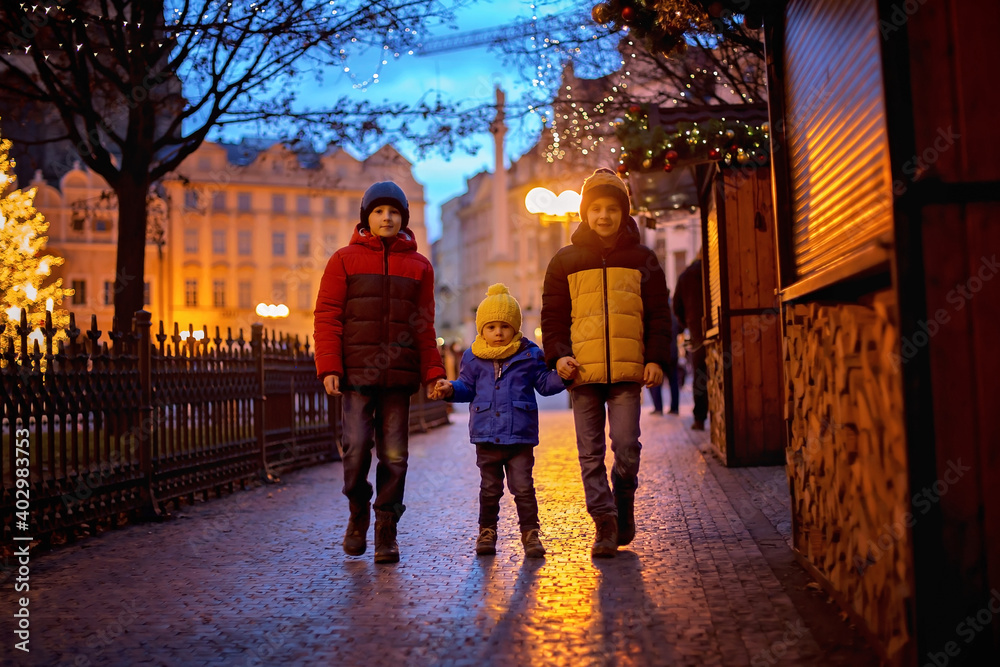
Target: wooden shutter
[[714, 300], [838, 149]]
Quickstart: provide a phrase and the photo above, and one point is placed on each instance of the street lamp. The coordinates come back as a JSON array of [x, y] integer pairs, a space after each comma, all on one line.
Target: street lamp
[[551, 208], [271, 310]]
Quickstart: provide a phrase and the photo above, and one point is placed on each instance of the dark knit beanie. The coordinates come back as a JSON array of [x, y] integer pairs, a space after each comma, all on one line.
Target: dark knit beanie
[[384, 192], [603, 183]]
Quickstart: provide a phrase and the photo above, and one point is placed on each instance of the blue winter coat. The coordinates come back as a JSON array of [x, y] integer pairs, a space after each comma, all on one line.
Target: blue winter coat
[[503, 409]]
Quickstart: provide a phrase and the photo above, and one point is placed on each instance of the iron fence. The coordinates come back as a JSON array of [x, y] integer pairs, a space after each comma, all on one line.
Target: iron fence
[[121, 429]]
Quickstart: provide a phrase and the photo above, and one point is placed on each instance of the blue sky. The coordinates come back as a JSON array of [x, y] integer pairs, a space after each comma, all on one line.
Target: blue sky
[[470, 75]]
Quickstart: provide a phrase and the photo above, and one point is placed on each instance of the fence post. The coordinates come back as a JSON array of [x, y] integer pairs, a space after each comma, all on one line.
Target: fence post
[[141, 323], [257, 346]]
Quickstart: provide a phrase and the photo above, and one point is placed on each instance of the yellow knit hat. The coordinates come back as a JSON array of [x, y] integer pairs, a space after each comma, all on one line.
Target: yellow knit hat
[[498, 306]]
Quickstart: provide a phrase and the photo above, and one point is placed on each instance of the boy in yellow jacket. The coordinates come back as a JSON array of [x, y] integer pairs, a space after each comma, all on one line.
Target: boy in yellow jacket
[[606, 326]]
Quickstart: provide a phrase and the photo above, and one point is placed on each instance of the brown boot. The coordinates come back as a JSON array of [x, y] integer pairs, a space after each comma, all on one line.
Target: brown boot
[[486, 545], [606, 541], [386, 549], [357, 528], [625, 501], [532, 544]]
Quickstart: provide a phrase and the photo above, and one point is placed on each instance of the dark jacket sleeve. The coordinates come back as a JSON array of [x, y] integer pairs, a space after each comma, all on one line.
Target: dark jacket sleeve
[[679, 303], [557, 312], [431, 366], [656, 314]]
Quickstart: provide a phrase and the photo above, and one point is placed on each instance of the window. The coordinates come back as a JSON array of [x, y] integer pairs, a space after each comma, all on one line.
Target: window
[[302, 205], [109, 292], [278, 244], [330, 205], [190, 199], [278, 203], [302, 245], [79, 292], [191, 240], [101, 223], [219, 293], [219, 241], [243, 201], [191, 293], [306, 297], [78, 220], [243, 294], [355, 206], [279, 292], [146, 300], [329, 243], [244, 242], [218, 201]]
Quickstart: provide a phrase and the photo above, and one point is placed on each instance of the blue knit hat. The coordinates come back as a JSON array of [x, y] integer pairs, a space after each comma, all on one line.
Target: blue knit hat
[[384, 192]]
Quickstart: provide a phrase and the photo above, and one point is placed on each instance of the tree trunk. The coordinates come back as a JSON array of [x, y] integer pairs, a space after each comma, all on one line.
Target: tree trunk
[[131, 261]]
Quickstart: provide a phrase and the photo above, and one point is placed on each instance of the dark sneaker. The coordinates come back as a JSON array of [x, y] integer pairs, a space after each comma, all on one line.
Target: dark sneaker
[[698, 426], [532, 544], [486, 544], [386, 549], [357, 528], [625, 501], [606, 541]]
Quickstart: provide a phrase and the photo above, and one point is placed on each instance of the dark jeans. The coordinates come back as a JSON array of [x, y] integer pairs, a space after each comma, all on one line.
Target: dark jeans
[[380, 419], [670, 375], [699, 383], [620, 404], [517, 460], [675, 388]]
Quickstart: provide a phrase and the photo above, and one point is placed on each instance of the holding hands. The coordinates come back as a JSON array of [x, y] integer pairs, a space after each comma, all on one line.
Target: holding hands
[[440, 389], [568, 368]]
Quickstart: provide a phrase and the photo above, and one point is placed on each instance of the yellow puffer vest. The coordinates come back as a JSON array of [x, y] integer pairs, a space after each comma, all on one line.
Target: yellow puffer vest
[[606, 308], [607, 324]]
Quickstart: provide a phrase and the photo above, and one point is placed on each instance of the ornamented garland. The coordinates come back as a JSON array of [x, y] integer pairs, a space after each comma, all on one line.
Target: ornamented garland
[[661, 24], [733, 143]]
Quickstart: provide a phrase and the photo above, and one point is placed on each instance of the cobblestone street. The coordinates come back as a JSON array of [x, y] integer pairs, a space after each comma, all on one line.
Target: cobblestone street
[[259, 577]]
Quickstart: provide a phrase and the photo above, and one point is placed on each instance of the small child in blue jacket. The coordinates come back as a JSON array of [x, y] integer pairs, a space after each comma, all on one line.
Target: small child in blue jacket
[[499, 376]]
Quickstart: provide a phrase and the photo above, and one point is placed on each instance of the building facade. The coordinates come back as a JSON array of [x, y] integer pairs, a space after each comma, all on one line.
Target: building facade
[[237, 225]]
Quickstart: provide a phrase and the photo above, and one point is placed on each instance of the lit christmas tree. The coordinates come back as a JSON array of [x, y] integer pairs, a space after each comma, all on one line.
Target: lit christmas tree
[[23, 267]]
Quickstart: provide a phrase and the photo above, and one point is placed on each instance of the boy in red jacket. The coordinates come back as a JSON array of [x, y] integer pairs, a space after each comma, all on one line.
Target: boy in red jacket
[[375, 345]]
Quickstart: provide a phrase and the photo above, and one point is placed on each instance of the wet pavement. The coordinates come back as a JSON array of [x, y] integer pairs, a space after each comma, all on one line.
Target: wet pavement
[[259, 577]]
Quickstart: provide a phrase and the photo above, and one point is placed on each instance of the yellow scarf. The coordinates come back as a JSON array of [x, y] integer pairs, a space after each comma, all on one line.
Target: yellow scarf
[[482, 349]]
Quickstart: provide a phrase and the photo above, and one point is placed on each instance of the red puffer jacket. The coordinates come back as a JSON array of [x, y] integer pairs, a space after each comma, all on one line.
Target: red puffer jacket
[[374, 318]]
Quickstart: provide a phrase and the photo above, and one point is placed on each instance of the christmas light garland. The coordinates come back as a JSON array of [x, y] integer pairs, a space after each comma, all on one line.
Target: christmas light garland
[[731, 142]]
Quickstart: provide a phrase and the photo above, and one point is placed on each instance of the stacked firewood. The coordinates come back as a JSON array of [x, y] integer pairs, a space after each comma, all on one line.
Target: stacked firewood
[[847, 457]]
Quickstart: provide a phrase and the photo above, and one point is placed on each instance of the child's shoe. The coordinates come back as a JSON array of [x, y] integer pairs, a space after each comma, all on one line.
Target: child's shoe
[[386, 548], [606, 540], [532, 544], [486, 545], [357, 527]]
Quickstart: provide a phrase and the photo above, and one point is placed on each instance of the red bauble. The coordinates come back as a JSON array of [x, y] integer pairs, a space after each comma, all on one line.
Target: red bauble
[[671, 155], [622, 169], [628, 14], [635, 108], [715, 153], [668, 167]]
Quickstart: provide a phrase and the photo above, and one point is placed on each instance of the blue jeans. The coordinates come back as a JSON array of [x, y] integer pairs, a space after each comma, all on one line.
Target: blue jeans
[[379, 419], [624, 402]]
